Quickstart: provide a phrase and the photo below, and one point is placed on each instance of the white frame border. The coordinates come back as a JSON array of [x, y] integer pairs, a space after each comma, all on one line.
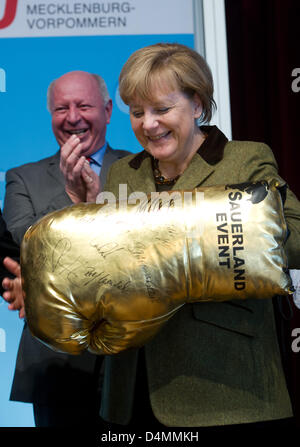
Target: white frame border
[[211, 15]]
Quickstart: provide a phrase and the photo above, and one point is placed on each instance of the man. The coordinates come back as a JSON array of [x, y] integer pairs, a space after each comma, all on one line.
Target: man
[[64, 389]]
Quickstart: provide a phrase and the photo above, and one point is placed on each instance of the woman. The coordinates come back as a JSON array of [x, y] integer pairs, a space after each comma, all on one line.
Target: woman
[[213, 363]]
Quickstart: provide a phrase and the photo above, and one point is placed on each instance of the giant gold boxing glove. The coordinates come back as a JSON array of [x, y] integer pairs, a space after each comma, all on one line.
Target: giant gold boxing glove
[[106, 279]]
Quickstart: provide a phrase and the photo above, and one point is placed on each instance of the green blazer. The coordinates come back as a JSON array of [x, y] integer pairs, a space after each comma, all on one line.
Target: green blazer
[[213, 363]]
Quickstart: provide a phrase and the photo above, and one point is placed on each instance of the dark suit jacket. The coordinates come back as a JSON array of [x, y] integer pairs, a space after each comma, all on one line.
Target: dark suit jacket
[[213, 363], [42, 375], [7, 248]]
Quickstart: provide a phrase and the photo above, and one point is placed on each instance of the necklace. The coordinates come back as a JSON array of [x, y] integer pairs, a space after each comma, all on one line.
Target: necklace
[[159, 178]]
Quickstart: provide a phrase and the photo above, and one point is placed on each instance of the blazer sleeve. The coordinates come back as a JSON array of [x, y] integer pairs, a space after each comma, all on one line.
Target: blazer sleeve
[[27, 199], [260, 164]]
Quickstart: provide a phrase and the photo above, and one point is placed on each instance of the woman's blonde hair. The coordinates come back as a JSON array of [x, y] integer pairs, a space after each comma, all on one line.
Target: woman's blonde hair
[[171, 64]]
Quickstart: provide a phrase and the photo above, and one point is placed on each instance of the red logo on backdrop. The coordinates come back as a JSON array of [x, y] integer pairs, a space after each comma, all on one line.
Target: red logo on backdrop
[[9, 13]]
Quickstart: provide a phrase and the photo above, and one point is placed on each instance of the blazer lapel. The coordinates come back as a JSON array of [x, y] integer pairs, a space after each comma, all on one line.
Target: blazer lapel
[[205, 160], [109, 157], [195, 174], [142, 182], [53, 169]]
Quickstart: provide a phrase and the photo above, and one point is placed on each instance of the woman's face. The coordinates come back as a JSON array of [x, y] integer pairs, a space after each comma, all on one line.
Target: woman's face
[[166, 127]]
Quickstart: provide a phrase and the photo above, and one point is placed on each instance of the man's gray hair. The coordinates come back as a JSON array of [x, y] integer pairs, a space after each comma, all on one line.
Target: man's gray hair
[[101, 84]]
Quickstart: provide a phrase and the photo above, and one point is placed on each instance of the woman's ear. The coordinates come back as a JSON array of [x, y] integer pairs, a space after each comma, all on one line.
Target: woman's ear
[[197, 105]]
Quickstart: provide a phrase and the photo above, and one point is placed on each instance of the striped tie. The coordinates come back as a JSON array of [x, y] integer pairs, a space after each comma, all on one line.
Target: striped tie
[[96, 167]]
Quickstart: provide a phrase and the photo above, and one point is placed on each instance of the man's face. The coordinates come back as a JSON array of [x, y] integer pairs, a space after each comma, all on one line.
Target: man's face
[[77, 108]]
